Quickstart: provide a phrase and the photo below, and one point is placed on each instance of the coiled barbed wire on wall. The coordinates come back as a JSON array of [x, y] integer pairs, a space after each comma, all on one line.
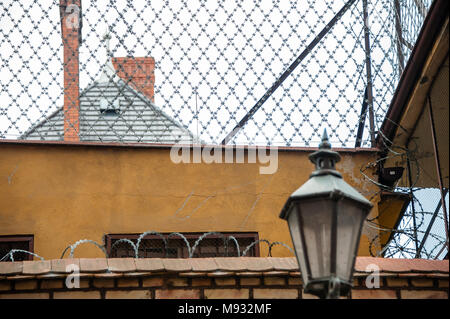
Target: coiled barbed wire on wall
[[11, 253], [135, 246], [404, 240]]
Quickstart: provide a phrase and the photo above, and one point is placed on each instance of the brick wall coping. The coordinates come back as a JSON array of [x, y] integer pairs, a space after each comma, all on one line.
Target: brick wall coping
[[210, 267], [141, 145]]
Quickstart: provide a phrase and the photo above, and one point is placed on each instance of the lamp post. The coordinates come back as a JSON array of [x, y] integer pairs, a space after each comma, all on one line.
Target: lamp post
[[325, 217]]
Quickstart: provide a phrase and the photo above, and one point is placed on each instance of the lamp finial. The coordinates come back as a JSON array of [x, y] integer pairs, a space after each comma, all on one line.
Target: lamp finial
[[325, 158], [325, 144]]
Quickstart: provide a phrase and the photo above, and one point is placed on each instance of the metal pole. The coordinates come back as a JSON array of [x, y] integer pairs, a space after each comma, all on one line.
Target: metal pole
[[362, 121], [369, 73], [398, 29], [438, 168], [413, 208], [196, 111], [430, 225], [442, 249]]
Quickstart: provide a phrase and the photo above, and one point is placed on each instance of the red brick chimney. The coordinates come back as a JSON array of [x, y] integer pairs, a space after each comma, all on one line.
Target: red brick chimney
[[70, 14], [139, 73]]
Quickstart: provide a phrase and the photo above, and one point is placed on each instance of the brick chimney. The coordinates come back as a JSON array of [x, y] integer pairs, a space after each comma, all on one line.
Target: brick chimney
[[139, 73], [71, 23]]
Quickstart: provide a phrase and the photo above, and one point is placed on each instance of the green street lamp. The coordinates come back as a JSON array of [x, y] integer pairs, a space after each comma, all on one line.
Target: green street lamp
[[325, 217]]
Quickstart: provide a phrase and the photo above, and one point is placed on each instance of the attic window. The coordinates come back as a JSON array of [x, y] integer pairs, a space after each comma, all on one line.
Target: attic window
[[109, 109]]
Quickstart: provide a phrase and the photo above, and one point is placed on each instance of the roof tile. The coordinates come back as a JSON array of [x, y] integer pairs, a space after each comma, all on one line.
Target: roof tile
[[193, 274], [149, 123], [149, 264], [287, 263], [11, 267], [429, 265], [136, 274], [220, 274], [93, 264], [368, 264], [203, 264], [65, 266], [21, 277], [257, 264], [51, 276], [213, 267], [426, 274], [176, 264], [36, 267], [249, 274], [121, 264], [275, 273], [230, 264]]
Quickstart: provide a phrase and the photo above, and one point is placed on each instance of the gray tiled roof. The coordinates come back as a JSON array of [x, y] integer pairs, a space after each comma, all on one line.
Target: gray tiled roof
[[138, 119]]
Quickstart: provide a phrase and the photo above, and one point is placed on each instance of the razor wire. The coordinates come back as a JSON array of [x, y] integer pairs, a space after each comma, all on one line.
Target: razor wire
[[421, 230], [125, 240], [204, 236], [213, 61], [244, 253], [184, 240], [83, 241], [165, 238], [11, 253], [192, 249]]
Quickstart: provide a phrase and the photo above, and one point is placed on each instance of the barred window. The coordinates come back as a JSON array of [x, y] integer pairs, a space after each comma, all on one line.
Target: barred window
[[173, 246], [21, 242]]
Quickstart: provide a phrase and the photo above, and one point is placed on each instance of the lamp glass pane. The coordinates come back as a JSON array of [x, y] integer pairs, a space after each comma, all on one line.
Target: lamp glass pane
[[349, 223], [317, 219], [294, 228]]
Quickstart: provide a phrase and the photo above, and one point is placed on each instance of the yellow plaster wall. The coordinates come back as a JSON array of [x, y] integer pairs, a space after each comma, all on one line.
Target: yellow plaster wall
[[62, 194], [390, 209]]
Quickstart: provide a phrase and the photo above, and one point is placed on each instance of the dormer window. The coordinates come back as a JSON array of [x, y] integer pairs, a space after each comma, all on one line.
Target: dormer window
[[109, 108]]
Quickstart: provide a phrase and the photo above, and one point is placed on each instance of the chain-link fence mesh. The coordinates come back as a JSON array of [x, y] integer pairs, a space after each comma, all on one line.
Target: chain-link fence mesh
[[421, 232], [170, 71], [239, 72]]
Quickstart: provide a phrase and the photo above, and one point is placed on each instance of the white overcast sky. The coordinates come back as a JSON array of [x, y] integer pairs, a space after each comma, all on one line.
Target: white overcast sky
[[227, 53]]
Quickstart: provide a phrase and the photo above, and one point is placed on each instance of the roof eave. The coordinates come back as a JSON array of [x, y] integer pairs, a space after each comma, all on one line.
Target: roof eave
[[411, 74]]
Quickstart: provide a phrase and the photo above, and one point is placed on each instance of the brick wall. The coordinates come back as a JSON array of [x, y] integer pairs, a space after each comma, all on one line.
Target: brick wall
[[71, 38], [198, 279], [185, 286], [139, 72]]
